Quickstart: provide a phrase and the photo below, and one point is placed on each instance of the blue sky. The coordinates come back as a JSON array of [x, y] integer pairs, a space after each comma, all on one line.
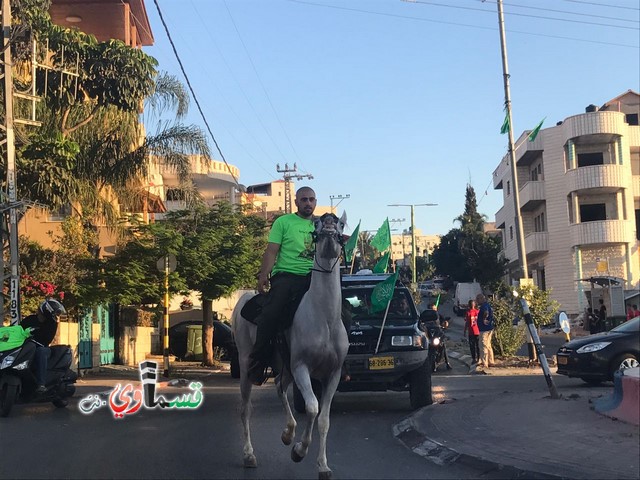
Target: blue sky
[[391, 101]]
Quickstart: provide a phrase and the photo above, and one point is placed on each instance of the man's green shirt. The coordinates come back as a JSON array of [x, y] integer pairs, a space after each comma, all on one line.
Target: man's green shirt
[[293, 234]]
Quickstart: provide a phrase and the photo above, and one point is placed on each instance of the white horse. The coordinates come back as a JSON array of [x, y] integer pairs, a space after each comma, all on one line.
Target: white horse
[[318, 343]]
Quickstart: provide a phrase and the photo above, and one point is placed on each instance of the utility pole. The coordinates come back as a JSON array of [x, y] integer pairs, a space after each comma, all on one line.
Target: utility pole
[[9, 203], [288, 174], [339, 197], [533, 338]]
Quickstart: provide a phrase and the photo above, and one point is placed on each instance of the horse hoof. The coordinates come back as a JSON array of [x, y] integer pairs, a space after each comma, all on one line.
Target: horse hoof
[[324, 475], [295, 456], [286, 437], [250, 461]]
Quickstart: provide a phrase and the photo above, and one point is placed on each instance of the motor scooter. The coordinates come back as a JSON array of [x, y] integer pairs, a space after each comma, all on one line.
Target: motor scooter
[[18, 380], [435, 330]]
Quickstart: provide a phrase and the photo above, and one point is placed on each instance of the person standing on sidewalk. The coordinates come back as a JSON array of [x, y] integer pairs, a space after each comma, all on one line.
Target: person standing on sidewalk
[[485, 326], [471, 326], [602, 316]]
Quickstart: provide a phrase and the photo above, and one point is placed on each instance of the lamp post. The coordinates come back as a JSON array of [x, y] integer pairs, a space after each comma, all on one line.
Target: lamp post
[[339, 198], [413, 236]]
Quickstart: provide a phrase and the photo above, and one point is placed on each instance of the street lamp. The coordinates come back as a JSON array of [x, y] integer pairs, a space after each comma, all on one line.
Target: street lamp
[[339, 198], [413, 236]]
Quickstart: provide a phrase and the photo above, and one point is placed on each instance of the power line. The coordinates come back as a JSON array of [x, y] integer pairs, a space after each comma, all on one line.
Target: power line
[[457, 24], [260, 80], [193, 93], [460, 7], [602, 4], [563, 11]]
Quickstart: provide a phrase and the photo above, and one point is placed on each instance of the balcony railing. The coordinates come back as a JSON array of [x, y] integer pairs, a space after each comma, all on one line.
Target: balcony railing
[[593, 123], [597, 176], [603, 231], [532, 194], [501, 217], [536, 242]]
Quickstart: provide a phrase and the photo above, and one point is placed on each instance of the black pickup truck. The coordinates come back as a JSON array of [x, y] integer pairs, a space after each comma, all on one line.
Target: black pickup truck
[[398, 359]]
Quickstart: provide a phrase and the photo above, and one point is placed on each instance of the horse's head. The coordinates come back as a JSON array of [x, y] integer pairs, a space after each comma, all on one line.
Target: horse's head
[[328, 235]]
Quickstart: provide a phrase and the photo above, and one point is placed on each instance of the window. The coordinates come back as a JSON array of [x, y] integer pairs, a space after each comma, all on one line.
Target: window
[[632, 118], [539, 223], [593, 212], [508, 188], [510, 233], [59, 214], [588, 159]]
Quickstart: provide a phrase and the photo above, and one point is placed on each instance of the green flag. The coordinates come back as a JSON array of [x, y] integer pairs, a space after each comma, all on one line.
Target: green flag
[[534, 133], [382, 240], [383, 263], [438, 301], [351, 244], [382, 293], [505, 125]]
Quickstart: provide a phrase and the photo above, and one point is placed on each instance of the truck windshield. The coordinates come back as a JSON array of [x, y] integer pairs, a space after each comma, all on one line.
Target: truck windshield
[[357, 304]]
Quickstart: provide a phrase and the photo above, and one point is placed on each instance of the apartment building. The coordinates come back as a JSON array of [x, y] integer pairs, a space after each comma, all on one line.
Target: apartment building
[[401, 245], [579, 192]]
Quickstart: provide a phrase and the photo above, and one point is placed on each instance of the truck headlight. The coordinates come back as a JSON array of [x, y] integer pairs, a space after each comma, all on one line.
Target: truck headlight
[[7, 361], [401, 341]]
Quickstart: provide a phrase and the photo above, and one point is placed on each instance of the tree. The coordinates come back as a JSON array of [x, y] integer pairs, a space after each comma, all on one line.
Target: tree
[[509, 338], [468, 253], [221, 252]]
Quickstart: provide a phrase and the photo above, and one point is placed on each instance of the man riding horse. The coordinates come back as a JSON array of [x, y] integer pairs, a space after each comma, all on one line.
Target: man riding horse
[[286, 266]]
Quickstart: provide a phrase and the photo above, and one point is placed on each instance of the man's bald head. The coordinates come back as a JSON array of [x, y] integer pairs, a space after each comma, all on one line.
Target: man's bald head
[[306, 202]]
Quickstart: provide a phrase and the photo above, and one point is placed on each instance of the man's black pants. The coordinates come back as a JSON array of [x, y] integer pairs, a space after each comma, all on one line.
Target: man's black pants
[[276, 314]]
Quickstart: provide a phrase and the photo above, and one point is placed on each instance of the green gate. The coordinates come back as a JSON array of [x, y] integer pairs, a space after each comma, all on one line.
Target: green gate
[[107, 337], [84, 341]]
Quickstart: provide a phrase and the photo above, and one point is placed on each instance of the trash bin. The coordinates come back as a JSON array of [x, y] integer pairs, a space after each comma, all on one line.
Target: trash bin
[[194, 342]]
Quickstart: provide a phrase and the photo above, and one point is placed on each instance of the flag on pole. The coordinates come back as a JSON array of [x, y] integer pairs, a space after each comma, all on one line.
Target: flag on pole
[[382, 239], [505, 125], [382, 293], [383, 263], [534, 133], [351, 244]]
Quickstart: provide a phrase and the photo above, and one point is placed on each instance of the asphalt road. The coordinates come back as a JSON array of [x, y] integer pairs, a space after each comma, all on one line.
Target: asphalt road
[[40, 441]]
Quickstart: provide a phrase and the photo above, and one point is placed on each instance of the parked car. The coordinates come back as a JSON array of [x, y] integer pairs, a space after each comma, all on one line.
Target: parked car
[[596, 358], [401, 362], [222, 338], [427, 289]]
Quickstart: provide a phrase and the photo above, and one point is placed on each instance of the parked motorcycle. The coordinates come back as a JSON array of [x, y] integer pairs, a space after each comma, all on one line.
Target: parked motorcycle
[[26, 357], [435, 330]]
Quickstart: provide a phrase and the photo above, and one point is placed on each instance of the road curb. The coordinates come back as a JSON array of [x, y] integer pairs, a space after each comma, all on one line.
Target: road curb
[[439, 454]]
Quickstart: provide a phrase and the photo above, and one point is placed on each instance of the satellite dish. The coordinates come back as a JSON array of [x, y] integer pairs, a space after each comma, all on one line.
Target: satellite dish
[[564, 322]]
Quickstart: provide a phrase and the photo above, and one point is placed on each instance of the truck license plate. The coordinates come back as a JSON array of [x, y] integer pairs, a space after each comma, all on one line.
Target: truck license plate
[[381, 363]]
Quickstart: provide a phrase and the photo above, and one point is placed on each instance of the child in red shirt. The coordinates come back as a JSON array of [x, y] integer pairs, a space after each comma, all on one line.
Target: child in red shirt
[[471, 326]]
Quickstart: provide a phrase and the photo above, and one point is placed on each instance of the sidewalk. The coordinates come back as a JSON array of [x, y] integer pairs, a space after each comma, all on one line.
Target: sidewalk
[[524, 435]]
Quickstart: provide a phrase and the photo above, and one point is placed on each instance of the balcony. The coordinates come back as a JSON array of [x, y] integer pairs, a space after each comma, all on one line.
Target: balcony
[[532, 195], [500, 172], [636, 185], [501, 217], [594, 123], [601, 232], [536, 243], [608, 177]]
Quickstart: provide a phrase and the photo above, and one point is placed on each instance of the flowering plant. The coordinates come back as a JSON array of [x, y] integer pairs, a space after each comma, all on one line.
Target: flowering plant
[[33, 291]]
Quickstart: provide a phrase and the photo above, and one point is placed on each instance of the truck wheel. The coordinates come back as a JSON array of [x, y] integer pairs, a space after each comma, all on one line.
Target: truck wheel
[[8, 397], [420, 394], [298, 399]]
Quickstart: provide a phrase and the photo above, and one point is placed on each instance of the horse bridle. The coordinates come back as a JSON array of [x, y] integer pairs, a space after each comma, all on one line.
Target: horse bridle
[[336, 233]]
